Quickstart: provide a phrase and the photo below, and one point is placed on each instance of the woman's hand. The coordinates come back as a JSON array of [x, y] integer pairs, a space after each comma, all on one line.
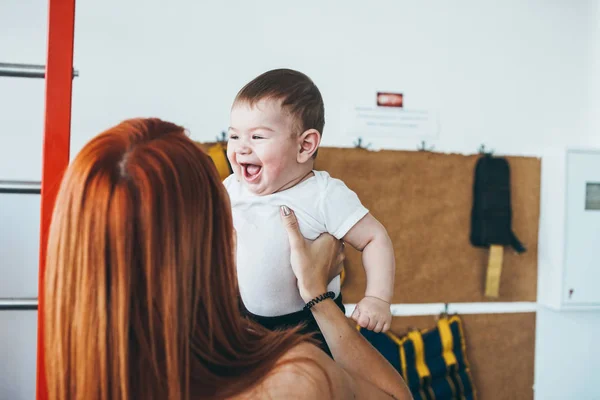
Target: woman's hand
[[315, 263]]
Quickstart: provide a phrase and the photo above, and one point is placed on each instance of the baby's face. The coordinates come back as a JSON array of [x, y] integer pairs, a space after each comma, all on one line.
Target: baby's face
[[263, 147]]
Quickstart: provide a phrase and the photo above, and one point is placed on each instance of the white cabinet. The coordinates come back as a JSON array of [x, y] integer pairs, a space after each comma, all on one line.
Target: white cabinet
[[569, 239], [581, 278]]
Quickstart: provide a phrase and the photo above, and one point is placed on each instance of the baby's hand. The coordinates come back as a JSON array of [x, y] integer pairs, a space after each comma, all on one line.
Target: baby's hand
[[373, 313]]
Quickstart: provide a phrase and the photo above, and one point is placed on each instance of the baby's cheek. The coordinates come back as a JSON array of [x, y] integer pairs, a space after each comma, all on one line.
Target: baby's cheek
[[276, 171], [271, 155], [275, 163], [231, 156]]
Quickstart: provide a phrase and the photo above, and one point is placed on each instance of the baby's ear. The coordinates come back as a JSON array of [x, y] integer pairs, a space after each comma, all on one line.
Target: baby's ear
[[308, 143]]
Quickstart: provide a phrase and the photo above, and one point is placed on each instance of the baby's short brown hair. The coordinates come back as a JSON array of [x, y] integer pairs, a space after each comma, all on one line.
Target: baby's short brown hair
[[297, 92]]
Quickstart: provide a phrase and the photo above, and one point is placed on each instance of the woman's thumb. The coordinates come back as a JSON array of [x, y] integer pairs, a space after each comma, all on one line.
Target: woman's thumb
[[291, 226]]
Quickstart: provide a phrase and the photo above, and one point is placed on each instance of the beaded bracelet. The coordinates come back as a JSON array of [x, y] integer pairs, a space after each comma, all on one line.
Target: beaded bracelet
[[318, 299]]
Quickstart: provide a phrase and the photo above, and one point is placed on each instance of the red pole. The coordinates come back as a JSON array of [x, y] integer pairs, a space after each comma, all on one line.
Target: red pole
[[57, 138]]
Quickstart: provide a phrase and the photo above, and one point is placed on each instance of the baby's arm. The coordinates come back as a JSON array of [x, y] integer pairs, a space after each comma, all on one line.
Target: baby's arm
[[371, 237]]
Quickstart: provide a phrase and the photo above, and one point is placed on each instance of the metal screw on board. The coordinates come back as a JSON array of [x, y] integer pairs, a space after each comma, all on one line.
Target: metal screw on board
[[359, 144], [423, 147], [570, 293]]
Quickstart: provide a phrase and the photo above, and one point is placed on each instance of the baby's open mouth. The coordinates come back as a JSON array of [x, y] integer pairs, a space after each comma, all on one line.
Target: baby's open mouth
[[251, 171]]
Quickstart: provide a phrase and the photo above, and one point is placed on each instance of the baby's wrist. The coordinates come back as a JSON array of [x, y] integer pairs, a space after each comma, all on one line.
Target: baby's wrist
[[380, 298]]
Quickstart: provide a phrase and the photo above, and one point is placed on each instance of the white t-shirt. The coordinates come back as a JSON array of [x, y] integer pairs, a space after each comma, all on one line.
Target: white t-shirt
[[321, 203]]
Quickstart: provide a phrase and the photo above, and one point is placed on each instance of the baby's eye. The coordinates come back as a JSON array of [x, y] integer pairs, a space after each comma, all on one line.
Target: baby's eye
[[233, 137], [257, 137]]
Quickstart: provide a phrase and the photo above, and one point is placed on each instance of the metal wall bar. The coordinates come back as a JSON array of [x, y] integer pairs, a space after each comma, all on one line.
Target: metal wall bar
[[20, 187], [19, 304], [26, 70]]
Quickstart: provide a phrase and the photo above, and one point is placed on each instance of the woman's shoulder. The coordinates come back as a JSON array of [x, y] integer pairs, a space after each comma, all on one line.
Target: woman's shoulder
[[304, 372], [305, 354]]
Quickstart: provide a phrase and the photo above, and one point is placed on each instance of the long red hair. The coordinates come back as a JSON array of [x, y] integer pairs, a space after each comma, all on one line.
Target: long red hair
[[141, 290]]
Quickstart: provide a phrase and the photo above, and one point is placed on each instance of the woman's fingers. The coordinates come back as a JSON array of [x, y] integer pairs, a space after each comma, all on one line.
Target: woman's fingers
[[342, 255], [337, 270], [337, 267], [315, 263], [291, 226], [338, 264]]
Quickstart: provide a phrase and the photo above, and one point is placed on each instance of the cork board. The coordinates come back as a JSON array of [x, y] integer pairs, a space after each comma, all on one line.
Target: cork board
[[500, 350], [424, 200]]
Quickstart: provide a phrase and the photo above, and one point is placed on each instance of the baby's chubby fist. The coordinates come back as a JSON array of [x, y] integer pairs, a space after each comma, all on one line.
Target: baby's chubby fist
[[373, 314]]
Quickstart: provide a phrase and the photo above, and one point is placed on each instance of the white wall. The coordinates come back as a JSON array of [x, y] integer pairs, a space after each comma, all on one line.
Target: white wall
[[23, 32], [594, 92], [517, 76], [495, 72], [22, 40]]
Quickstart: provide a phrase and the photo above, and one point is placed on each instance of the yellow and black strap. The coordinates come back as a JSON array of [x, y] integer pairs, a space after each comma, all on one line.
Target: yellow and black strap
[[494, 271], [447, 341], [425, 390], [218, 154]]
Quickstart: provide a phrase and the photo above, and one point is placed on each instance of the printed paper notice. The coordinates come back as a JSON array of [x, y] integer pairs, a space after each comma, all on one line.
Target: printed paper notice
[[391, 122]]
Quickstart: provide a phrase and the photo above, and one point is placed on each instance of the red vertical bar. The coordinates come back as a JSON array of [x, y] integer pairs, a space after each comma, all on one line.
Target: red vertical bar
[[57, 138]]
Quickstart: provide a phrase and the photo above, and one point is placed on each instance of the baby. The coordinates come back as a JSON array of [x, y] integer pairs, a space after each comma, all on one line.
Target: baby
[[275, 130]]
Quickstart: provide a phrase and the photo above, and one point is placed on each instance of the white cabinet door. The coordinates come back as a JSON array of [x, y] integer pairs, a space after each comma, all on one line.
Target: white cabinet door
[[582, 235]]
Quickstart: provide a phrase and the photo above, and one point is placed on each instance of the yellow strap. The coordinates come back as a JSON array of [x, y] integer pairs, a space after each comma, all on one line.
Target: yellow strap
[[447, 342], [217, 154], [403, 363], [494, 270], [417, 340]]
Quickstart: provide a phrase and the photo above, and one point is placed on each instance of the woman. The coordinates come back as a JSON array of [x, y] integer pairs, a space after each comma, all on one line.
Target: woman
[[141, 293]]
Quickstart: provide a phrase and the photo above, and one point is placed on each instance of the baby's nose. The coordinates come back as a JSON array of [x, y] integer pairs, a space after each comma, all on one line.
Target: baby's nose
[[243, 149]]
